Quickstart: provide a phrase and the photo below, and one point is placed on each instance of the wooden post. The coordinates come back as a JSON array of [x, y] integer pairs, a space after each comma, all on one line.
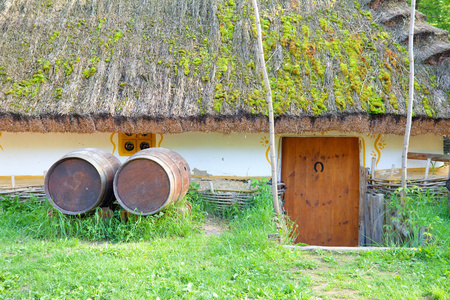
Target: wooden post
[[410, 97], [425, 156], [378, 218], [211, 187], [273, 161], [367, 220], [372, 168], [362, 196], [374, 219], [448, 192], [427, 168]]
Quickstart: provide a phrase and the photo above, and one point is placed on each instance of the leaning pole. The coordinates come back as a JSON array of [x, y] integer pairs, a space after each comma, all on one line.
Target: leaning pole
[[260, 54]]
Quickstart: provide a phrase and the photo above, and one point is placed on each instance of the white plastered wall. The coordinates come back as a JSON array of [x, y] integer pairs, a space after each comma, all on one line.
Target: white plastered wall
[[235, 154]]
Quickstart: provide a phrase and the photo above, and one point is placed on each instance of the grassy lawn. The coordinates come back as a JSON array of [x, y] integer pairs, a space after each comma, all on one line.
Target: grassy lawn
[[168, 256]]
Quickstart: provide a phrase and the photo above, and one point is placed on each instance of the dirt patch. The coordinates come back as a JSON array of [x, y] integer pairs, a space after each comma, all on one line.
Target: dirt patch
[[322, 271], [332, 275], [214, 226]]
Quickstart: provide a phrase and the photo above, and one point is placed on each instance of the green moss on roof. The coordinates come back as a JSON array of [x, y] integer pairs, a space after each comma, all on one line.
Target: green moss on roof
[[188, 60]]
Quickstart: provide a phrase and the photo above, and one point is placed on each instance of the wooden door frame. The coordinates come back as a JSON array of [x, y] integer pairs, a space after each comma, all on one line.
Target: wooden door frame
[[363, 177]]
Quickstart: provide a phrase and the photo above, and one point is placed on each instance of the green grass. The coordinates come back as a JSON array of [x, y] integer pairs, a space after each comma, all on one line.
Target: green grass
[[167, 256]]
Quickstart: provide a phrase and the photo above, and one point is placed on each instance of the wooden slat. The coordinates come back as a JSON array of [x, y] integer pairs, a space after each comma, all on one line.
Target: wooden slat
[[378, 218], [362, 194], [425, 156], [374, 219]]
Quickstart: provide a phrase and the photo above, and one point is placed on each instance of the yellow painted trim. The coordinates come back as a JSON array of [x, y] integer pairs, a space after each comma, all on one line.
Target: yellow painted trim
[[22, 177], [378, 145], [112, 142], [265, 142], [376, 148], [267, 155], [160, 141], [153, 144]]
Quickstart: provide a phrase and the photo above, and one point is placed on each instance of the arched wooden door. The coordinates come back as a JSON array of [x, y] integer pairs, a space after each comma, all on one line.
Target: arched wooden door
[[322, 196]]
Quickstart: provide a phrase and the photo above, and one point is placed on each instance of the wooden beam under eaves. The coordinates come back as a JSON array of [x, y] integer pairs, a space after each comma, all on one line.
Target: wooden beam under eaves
[[426, 156]]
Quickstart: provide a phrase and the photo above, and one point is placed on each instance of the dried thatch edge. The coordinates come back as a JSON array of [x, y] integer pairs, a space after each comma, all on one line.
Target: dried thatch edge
[[395, 10], [436, 49], [384, 124], [422, 29]]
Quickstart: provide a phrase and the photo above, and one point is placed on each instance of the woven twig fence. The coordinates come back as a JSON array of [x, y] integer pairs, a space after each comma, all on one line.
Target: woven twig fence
[[222, 199], [24, 193], [386, 187]]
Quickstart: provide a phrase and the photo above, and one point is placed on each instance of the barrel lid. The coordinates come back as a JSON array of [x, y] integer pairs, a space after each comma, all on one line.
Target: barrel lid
[[73, 186], [142, 186]]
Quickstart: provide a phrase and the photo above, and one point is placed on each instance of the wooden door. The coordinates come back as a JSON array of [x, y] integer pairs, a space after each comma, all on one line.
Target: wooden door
[[322, 196]]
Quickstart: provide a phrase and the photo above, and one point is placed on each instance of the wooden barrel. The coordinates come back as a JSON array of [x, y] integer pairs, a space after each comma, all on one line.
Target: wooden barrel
[[150, 180], [81, 180]]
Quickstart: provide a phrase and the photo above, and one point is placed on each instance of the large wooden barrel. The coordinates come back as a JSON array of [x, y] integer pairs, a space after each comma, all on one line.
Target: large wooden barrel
[[81, 180], [150, 180]]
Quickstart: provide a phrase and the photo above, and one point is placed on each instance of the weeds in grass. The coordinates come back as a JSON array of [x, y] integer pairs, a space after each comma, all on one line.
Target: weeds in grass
[[39, 220], [416, 218]]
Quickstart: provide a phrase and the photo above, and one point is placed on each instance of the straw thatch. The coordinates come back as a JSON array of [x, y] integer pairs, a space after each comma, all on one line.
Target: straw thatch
[[190, 65], [429, 41]]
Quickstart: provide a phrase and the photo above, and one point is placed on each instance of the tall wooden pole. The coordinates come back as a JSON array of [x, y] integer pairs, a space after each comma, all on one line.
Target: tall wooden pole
[[411, 97], [260, 53]]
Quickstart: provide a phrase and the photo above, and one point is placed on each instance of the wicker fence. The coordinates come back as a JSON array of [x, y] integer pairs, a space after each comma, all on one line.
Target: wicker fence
[[222, 199], [24, 193], [386, 187]]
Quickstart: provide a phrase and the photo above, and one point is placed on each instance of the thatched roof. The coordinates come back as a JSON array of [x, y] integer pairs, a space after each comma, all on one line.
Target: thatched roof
[[173, 66]]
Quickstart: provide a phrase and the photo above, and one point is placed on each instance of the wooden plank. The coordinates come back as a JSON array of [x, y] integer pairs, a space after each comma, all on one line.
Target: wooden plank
[[448, 192], [322, 195], [362, 194], [425, 156], [373, 166], [374, 219], [379, 218], [368, 219]]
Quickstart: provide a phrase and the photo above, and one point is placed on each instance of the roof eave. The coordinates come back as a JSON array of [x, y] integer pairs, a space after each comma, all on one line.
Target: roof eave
[[355, 123]]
